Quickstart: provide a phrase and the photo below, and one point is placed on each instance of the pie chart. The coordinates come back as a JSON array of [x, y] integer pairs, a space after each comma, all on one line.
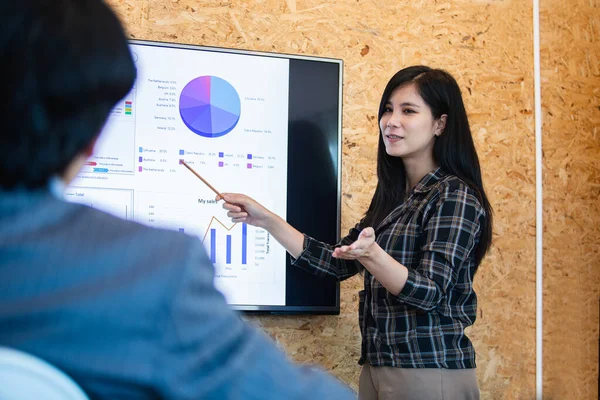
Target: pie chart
[[209, 106]]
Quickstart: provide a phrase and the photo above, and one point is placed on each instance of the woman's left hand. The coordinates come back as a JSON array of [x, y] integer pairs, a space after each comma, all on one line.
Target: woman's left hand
[[362, 247]]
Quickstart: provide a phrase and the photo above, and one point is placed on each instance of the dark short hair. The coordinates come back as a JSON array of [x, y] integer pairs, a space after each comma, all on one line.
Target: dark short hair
[[66, 63]]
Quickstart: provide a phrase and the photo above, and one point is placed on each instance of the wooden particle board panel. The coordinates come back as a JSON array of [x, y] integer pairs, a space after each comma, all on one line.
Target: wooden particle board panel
[[570, 63]]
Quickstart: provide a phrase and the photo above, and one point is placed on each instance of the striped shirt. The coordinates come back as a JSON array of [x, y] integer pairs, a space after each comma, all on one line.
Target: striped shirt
[[434, 233]]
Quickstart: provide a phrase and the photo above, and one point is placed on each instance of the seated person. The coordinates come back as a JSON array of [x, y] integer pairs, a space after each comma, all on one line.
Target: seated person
[[129, 312]]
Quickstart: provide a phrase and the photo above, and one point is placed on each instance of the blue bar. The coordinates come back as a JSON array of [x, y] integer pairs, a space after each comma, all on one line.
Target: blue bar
[[244, 242], [100, 169], [228, 249], [213, 246]]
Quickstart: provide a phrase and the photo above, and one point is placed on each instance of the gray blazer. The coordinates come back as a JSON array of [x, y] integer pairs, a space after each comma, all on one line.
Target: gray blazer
[[131, 312]]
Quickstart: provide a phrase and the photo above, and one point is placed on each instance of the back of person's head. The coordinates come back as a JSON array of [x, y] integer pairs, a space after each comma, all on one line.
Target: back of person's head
[[454, 150], [66, 65]]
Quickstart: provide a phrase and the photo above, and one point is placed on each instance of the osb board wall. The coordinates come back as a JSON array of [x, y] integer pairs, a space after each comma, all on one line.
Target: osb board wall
[[570, 43], [491, 57]]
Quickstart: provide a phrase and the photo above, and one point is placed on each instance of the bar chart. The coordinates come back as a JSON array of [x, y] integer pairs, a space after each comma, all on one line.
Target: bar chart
[[238, 251], [232, 234]]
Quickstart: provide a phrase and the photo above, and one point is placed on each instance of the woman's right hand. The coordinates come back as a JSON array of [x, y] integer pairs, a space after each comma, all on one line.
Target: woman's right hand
[[242, 208]]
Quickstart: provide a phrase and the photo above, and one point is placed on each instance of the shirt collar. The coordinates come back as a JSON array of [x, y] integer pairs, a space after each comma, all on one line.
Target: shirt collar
[[428, 181]]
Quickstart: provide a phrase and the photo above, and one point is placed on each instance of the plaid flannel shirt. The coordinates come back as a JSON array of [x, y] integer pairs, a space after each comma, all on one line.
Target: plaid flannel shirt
[[434, 233]]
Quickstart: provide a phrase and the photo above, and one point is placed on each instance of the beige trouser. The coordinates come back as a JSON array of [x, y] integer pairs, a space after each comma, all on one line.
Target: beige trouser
[[387, 383]]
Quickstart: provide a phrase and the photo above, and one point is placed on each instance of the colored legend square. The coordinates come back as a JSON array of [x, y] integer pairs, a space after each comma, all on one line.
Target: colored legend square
[[141, 149], [249, 165], [249, 156], [221, 154], [140, 159], [181, 230], [181, 161], [220, 163], [181, 152], [140, 169]]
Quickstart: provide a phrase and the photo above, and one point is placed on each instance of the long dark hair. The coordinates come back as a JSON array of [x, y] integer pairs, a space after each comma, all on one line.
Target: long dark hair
[[454, 150]]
